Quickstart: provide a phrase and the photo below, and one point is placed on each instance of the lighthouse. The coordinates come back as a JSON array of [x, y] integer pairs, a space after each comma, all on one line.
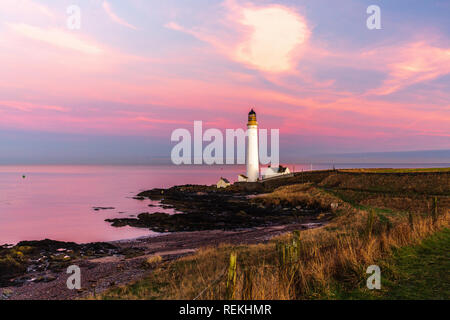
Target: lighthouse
[[252, 148]]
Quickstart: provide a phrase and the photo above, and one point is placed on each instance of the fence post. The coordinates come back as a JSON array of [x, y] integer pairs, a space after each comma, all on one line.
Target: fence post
[[434, 209], [231, 279]]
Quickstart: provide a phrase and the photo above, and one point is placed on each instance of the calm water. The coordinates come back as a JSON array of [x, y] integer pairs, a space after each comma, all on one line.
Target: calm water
[[56, 202]]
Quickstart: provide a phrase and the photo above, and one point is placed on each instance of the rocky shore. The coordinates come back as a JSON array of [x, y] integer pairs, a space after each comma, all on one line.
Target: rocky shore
[[38, 261], [209, 208]]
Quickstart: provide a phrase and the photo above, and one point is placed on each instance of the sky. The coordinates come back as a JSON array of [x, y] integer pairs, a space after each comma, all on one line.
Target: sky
[[115, 89]]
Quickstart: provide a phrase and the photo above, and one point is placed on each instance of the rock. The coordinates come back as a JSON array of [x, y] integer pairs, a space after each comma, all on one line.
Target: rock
[[200, 207], [49, 278], [39, 257], [103, 208], [206, 208], [6, 294]]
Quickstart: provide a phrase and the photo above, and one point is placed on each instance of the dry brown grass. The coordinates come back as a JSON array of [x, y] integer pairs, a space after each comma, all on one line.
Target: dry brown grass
[[435, 183], [153, 261], [306, 195], [330, 255]]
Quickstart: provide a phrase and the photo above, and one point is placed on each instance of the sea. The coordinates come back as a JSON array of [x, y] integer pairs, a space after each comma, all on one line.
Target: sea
[[59, 202]]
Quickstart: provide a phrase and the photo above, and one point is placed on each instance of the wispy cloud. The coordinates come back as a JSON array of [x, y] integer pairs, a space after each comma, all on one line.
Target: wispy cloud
[[267, 38], [114, 17], [161, 121], [413, 63], [27, 106], [56, 37], [25, 7]]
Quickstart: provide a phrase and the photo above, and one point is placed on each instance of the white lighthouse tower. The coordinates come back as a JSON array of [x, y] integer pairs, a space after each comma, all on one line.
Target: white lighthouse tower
[[252, 148]]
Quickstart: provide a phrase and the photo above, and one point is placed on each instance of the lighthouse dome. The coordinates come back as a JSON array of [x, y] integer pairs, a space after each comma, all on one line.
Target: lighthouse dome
[[252, 118]]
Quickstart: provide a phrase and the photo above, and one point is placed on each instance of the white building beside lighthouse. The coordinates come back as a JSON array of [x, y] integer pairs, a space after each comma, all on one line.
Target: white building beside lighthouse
[[252, 148]]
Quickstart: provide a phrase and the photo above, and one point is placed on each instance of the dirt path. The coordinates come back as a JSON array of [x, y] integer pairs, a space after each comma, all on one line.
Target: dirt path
[[100, 274]]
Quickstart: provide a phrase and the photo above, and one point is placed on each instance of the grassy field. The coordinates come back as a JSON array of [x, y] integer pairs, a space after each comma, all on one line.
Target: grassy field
[[378, 219], [391, 170]]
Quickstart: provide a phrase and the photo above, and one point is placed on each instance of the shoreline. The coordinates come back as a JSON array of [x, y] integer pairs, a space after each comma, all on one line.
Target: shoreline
[[85, 243]]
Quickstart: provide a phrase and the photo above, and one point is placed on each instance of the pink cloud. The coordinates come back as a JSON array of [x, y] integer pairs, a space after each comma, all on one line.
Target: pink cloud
[[56, 37], [347, 118], [266, 38], [28, 107], [161, 121], [25, 7], [276, 32], [73, 67], [63, 63], [410, 64]]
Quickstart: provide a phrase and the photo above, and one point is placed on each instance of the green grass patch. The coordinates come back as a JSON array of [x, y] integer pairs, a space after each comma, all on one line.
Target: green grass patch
[[418, 272]]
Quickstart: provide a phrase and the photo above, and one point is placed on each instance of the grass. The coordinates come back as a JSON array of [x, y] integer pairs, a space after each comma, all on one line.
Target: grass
[[422, 270], [13, 262], [415, 272], [328, 262], [325, 256]]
